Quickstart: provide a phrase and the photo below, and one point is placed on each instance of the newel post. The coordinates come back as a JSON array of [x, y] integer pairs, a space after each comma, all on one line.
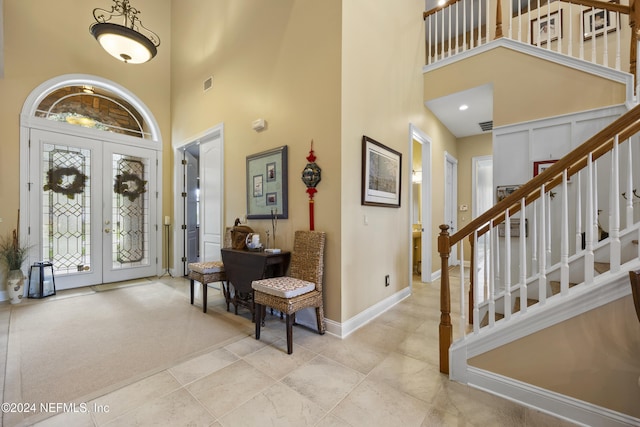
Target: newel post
[[445, 329]]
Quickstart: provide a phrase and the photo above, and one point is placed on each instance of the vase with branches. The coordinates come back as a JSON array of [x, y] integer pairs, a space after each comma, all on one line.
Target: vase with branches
[[13, 254]]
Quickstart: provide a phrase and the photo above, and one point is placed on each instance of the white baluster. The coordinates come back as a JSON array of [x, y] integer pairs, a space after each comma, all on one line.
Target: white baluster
[[542, 261], [581, 39], [487, 264], [605, 51], [494, 252], [629, 212], [507, 265], [463, 317], [457, 29], [547, 211], [564, 243], [578, 212], [614, 222], [548, 24], [593, 41], [570, 46], [464, 25], [534, 238], [449, 15], [588, 255], [596, 216], [472, 30], [618, 47], [488, 22], [476, 285], [523, 246], [442, 34], [428, 29]]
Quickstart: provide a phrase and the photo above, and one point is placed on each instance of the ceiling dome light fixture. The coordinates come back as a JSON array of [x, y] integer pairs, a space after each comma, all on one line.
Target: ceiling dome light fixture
[[130, 42]]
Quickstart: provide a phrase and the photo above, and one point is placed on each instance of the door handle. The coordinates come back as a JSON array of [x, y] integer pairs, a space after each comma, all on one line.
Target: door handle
[[107, 230]]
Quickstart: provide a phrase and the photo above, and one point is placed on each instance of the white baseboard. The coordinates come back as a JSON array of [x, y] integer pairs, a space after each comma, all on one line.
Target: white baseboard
[[557, 405], [342, 330]]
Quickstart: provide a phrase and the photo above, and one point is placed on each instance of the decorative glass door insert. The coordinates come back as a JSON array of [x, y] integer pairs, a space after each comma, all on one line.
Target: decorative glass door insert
[[66, 208], [130, 217], [97, 215]]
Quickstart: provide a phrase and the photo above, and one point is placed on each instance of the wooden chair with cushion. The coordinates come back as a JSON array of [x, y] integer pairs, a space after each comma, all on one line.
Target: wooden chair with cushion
[[301, 289], [210, 272]]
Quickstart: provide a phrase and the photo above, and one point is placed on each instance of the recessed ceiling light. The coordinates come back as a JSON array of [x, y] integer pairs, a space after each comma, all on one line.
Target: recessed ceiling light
[[463, 107]]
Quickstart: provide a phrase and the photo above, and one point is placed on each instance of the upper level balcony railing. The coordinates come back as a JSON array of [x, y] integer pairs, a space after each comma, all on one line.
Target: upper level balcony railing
[[604, 33]]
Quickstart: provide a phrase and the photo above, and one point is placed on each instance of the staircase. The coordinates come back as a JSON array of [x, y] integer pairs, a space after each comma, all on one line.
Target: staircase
[[560, 277]]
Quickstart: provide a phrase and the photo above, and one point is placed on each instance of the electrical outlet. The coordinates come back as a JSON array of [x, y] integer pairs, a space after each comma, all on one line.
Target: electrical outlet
[[386, 280]]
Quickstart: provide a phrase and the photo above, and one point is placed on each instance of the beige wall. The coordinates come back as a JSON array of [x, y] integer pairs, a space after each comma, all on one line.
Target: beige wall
[[382, 60], [277, 60], [593, 357], [520, 95], [468, 148], [44, 40]]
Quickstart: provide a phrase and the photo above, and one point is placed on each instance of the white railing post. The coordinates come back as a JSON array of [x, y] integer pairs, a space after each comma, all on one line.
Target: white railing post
[[463, 316], [614, 209], [542, 267], [629, 195], [534, 238], [588, 255], [564, 244], [476, 286], [492, 302], [578, 212], [507, 265], [523, 255]]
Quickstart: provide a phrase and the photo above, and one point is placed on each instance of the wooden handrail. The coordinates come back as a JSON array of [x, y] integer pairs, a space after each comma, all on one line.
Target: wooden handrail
[[598, 145], [625, 126]]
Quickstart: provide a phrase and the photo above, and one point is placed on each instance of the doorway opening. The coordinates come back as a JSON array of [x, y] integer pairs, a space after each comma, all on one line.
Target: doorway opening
[[420, 202], [198, 209]]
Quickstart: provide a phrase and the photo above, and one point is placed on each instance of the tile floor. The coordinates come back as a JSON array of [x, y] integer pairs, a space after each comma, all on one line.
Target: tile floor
[[384, 374]]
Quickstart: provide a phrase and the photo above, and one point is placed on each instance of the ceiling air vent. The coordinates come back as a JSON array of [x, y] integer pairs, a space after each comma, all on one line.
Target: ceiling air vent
[[207, 84], [485, 126]]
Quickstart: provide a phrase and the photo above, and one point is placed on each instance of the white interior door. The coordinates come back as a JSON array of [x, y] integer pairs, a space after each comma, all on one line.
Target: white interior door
[[191, 207], [93, 208], [211, 174], [451, 201]]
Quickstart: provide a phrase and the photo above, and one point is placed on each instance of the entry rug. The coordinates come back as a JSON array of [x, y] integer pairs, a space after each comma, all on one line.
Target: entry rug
[[76, 349]]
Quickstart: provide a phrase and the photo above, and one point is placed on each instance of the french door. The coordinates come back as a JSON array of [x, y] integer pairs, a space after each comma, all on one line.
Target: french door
[[93, 208]]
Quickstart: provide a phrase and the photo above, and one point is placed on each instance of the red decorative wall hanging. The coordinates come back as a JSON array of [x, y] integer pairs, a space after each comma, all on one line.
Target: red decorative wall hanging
[[311, 178]]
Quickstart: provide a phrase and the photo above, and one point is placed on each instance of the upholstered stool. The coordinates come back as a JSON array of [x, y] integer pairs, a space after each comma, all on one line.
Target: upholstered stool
[[205, 273]]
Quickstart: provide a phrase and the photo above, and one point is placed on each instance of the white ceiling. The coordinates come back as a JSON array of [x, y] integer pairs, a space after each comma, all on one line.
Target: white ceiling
[[464, 123]]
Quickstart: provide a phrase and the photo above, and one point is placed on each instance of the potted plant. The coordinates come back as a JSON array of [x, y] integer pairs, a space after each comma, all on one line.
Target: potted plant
[[13, 254]]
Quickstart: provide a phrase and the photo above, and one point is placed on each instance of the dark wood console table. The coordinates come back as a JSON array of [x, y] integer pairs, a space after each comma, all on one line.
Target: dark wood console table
[[243, 267]]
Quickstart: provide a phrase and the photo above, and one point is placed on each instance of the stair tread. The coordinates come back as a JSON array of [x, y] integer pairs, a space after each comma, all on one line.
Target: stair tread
[[516, 305], [601, 267], [555, 286], [485, 319]]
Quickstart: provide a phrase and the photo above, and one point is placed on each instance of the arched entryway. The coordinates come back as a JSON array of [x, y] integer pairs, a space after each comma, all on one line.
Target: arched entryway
[[91, 156]]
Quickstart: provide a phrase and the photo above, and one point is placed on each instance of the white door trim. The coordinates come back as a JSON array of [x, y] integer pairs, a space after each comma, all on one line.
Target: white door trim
[[178, 267], [451, 201], [425, 141]]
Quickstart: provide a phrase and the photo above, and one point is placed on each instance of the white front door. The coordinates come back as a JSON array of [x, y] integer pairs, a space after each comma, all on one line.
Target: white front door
[[96, 202]]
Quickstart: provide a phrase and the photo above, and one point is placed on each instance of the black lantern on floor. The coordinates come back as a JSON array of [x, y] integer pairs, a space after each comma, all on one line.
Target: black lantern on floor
[[41, 281]]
